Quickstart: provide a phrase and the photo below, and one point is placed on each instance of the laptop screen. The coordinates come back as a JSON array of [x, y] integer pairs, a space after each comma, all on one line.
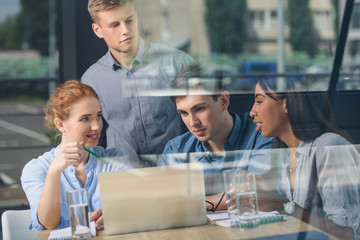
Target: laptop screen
[[146, 199]]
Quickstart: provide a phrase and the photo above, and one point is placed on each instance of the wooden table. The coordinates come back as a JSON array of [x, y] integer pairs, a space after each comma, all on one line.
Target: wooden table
[[211, 231]]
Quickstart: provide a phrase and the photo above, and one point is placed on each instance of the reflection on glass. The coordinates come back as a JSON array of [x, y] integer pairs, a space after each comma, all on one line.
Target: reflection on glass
[[350, 71], [28, 62], [229, 35], [27, 39], [236, 40]]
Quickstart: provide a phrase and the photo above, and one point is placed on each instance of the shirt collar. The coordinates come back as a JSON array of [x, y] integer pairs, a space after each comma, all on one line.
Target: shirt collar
[[205, 153], [202, 151], [203, 147], [235, 132], [141, 51], [304, 148], [136, 62]]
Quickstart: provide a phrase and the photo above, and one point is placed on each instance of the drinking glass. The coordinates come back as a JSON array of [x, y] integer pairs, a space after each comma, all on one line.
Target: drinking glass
[[246, 199], [79, 213], [229, 184]]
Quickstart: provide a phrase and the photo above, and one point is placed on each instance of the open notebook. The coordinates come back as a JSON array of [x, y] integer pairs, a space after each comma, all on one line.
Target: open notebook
[[153, 198]]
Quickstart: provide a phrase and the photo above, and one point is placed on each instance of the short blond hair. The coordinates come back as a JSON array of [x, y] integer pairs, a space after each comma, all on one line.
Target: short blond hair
[[96, 6]]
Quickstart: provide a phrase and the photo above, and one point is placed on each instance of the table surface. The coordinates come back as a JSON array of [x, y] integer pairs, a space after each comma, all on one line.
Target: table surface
[[212, 231]]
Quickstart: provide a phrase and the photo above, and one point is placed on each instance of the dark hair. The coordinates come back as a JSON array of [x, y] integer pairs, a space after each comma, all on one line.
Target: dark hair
[[193, 77], [310, 114]]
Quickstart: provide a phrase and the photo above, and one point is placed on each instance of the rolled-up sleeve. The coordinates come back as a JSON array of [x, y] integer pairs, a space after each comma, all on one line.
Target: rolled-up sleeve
[[338, 174], [32, 180]]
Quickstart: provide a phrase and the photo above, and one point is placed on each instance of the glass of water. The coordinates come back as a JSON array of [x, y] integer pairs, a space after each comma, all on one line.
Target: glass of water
[[229, 184], [79, 213], [246, 200]]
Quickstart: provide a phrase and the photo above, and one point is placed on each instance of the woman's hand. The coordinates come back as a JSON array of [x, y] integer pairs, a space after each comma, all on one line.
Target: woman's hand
[[69, 154], [98, 218]]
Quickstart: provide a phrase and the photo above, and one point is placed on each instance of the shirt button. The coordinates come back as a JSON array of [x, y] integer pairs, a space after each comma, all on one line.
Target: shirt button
[[146, 163], [137, 118]]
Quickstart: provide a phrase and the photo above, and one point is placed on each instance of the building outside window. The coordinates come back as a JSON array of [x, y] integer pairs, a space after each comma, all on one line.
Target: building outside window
[[30, 59]]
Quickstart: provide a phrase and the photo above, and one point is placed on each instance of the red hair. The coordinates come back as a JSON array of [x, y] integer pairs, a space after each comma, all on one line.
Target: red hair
[[63, 98]]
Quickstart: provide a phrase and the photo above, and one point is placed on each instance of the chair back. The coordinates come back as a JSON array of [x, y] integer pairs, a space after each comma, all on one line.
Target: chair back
[[15, 225]]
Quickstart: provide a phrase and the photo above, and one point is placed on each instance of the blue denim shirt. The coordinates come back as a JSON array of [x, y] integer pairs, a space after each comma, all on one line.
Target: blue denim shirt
[[34, 175], [140, 121], [254, 155]]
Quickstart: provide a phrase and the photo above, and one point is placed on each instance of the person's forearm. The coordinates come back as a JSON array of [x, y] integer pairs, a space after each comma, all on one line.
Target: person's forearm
[[271, 200], [49, 207], [214, 199], [323, 223]]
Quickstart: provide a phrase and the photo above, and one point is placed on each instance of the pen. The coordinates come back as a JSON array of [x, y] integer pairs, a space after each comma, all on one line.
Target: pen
[[97, 156]]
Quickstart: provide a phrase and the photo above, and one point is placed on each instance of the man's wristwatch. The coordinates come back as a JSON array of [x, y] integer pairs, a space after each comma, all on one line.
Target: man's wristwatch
[[289, 207]]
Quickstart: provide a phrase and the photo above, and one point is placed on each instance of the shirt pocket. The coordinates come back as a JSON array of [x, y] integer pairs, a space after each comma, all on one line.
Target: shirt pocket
[[162, 112]]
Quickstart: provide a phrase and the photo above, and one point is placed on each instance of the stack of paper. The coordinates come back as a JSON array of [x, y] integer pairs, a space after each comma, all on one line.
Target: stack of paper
[[65, 233]]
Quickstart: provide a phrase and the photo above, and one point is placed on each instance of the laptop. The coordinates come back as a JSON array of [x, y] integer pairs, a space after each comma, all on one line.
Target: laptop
[[146, 199]]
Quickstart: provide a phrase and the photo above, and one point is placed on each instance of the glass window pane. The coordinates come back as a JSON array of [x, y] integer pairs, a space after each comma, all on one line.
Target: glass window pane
[[28, 66], [239, 41], [28, 39], [242, 38], [350, 71]]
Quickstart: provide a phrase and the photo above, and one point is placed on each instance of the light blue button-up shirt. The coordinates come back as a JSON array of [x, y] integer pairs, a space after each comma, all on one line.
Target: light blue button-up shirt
[[34, 175], [326, 179], [256, 157], [140, 118]]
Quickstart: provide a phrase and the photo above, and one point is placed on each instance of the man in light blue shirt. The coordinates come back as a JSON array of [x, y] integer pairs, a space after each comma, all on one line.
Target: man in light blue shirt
[[215, 135], [128, 79]]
